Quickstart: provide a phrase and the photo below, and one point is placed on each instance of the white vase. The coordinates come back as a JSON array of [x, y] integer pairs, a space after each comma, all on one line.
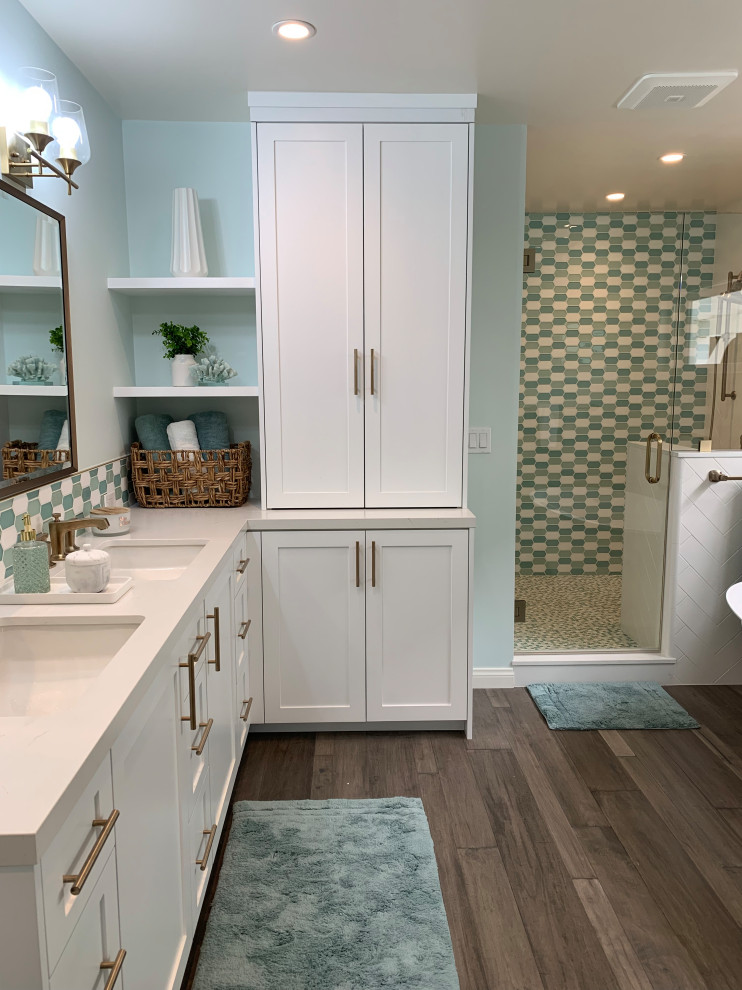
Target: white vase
[[188, 258], [63, 370], [180, 368], [46, 247]]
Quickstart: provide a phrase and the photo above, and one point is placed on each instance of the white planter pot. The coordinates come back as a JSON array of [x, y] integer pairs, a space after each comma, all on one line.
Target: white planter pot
[[188, 258], [180, 368]]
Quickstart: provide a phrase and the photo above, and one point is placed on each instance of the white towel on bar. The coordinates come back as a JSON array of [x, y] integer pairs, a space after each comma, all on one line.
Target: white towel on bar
[[183, 436]]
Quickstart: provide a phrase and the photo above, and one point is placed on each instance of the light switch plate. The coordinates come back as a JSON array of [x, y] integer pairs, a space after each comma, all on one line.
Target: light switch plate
[[480, 440]]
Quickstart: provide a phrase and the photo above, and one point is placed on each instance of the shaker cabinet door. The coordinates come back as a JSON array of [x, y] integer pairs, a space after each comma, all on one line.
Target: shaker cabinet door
[[144, 763], [310, 214], [313, 608], [416, 625], [220, 689], [415, 263]]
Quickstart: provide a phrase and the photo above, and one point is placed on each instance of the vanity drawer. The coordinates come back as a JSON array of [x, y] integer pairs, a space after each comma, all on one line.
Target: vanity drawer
[[201, 845], [193, 743], [240, 562], [79, 850], [94, 949]]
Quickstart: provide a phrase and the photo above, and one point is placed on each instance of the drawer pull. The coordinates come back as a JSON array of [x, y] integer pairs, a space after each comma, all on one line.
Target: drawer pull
[[246, 713], [206, 726], [217, 661], [243, 629], [211, 832], [373, 563], [243, 566], [78, 879], [190, 663], [115, 968]]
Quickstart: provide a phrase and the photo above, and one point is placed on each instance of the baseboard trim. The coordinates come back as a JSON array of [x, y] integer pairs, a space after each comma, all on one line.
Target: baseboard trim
[[494, 677]]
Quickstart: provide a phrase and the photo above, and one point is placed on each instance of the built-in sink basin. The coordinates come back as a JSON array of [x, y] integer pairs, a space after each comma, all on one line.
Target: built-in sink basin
[[47, 664], [152, 560]]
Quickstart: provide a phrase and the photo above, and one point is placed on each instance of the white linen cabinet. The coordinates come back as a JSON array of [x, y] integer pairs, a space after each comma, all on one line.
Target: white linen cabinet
[[366, 626], [362, 241]]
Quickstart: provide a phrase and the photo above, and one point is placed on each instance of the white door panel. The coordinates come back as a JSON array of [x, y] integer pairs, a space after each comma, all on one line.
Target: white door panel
[[415, 247], [310, 179], [416, 625], [314, 627]]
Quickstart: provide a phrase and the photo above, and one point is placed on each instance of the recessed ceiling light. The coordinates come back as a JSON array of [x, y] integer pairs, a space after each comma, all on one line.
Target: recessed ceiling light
[[672, 157], [294, 30], [615, 197]]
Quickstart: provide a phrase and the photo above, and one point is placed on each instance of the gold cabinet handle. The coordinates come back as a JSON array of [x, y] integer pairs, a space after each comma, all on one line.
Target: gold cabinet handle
[[373, 563], [653, 479], [78, 879], [358, 564], [243, 565], [190, 663], [206, 726], [217, 661], [372, 372], [355, 371], [243, 628], [115, 968], [246, 712], [211, 832]]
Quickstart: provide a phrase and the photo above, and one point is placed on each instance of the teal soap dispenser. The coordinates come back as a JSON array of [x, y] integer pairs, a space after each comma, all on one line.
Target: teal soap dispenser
[[30, 562]]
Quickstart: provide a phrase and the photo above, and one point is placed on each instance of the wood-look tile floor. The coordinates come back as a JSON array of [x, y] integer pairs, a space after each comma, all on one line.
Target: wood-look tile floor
[[568, 860]]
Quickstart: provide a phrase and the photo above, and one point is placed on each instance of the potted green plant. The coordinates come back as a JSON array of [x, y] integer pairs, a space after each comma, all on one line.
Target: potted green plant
[[56, 339], [181, 344]]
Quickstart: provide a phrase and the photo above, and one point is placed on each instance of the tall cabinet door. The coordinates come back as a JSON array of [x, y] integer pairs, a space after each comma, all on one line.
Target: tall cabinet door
[[313, 623], [310, 179], [415, 228], [220, 686], [416, 625]]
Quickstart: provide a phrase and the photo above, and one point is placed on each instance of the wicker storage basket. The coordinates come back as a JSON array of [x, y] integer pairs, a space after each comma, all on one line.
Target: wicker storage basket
[[18, 461], [180, 479]]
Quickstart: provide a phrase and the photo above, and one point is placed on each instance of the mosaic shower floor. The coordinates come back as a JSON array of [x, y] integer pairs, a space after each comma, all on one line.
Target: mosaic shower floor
[[567, 612]]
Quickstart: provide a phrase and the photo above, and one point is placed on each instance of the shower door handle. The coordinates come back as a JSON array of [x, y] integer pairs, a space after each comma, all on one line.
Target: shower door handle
[[653, 479]]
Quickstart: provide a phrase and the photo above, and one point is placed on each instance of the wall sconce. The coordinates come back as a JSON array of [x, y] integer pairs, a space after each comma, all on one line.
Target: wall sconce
[[34, 119]]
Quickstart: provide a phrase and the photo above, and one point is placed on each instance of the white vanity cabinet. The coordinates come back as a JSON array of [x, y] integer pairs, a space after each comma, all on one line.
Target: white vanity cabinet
[[363, 248], [417, 607], [314, 627], [154, 926], [366, 626], [220, 691]]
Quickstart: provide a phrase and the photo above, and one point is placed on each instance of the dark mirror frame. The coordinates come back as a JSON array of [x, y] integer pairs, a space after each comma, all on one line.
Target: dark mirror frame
[[16, 488]]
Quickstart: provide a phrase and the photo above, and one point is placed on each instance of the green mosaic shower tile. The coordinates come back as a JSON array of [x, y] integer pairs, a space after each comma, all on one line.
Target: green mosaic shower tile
[[595, 365]]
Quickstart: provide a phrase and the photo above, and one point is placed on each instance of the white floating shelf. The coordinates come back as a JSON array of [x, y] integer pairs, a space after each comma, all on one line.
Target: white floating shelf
[[31, 283], [183, 286], [184, 392], [45, 390]]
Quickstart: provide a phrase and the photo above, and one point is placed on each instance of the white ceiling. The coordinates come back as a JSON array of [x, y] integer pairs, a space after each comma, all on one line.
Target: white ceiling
[[557, 65]]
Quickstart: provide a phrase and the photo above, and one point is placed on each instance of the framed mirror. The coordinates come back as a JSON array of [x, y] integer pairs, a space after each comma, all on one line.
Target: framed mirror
[[37, 418]]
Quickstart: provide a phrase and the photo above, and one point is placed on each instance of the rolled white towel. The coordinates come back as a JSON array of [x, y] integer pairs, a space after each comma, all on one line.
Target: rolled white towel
[[64, 437], [183, 436]]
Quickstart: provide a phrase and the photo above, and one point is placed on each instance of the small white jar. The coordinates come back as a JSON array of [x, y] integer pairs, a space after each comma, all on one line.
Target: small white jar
[[87, 571]]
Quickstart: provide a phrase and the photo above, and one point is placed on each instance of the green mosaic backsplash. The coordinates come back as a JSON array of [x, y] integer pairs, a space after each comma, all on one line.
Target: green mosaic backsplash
[[73, 496], [598, 350]]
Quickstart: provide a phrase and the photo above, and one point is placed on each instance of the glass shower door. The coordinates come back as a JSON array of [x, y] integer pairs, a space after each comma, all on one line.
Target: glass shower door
[[608, 384]]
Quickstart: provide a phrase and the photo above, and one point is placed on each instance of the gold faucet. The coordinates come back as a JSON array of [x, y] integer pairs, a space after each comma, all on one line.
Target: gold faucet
[[62, 532]]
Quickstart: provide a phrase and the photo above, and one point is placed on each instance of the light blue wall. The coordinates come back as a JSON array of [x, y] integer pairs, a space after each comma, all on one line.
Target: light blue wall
[[499, 209], [96, 236], [212, 158]]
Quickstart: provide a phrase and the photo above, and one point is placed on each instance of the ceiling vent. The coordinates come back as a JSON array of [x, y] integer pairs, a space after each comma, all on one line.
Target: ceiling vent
[[675, 90]]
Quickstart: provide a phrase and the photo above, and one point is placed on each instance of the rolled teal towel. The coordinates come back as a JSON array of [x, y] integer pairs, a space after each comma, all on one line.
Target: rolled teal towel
[[51, 429], [212, 429], [152, 431]]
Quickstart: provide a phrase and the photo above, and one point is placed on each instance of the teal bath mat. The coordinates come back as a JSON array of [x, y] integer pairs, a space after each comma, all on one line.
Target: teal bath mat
[[328, 895], [625, 705]]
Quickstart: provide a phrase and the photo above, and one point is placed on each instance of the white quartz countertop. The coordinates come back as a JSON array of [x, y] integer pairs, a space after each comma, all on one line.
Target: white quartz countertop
[[46, 761]]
